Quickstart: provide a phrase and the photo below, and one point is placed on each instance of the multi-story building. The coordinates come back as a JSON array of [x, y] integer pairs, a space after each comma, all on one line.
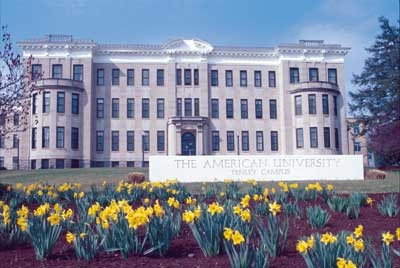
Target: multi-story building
[[114, 105], [358, 141]]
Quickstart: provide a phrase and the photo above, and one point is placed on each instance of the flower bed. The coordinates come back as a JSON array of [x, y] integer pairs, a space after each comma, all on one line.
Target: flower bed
[[164, 225]]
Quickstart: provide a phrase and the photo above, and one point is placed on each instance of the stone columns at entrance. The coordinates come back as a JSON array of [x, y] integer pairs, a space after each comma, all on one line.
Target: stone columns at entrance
[[171, 139]]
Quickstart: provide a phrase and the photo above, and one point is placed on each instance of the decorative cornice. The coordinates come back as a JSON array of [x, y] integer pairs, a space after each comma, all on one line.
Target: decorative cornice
[[182, 47]]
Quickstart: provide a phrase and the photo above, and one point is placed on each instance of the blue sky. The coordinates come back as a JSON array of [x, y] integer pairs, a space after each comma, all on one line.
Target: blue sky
[[252, 23]]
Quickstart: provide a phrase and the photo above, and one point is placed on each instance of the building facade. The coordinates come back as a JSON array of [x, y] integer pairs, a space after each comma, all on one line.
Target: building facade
[[114, 105], [358, 141]]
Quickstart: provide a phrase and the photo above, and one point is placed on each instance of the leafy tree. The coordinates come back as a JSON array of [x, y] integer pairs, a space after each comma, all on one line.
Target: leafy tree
[[16, 87], [377, 99]]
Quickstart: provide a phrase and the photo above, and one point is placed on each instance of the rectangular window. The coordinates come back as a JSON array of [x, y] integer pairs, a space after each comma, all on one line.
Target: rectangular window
[[357, 146], [56, 71], [115, 77], [312, 107], [60, 137], [45, 137], [59, 163], [196, 77], [130, 141], [34, 103], [259, 141], [257, 79], [36, 71], [34, 138], [214, 78], [332, 76], [75, 138], [188, 107], [215, 140], [230, 141], [214, 108], [160, 108], [115, 108], [313, 137], [229, 108], [75, 103], [100, 108], [130, 77], [33, 164], [299, 138], [2, 141], [228, 78], [115, 140], [178, 77], [15, 161], [243, 109], [44, 164], [60, 102], [160, 77], [78, 72], [179, 107], [327, 137], [356, 129], [273, 113], [313, 74], [145, 108], [1, 162], [46, 102], [146, 141], [15, 141], [336, 138], [100, 77], [298, 106], [99, 141], [130, 108], [274, 140], [335, 108], [160, 141], [325, 104], [245, 140], [145, 77], [258, 107], [188, 77], [294, 75], [271, 79], [196, 107], [243, 78]]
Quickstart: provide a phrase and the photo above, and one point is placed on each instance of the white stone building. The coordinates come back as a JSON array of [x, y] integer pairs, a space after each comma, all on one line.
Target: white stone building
[[114, 105]]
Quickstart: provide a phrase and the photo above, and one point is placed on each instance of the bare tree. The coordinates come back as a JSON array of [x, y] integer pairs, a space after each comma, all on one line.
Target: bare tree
[[16, 87]]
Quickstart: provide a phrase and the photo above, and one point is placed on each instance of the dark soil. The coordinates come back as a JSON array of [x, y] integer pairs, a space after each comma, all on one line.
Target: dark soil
[[184, 251]]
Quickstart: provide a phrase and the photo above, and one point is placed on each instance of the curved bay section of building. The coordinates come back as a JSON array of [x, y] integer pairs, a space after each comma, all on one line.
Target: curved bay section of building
[[316, 110], [56, 121]]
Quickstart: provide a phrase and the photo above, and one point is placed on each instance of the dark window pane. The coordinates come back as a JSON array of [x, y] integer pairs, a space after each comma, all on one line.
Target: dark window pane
[[214, 78], [243, 109], [145, 108], [60, 102], [130, 108], [312, 107], [75, 103], [215, 140], [294, 75], [257, 79], [100, 77], [160, 77], [78, 72], [313, 137], [179, 77], [160, 141], [243, 78], [313, 74], [274, 140], [273, 114], [271, 79], [228, 78], [245, 140], [299, 138], [229, 108], [56, 71], [214, 108], [145, 77], [259, 110], [130, 77], [188, 77], [115, 77], [230, 141], [115, 108]]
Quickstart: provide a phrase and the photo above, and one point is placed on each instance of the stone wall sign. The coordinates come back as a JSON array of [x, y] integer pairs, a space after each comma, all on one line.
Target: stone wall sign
[[261, 168]]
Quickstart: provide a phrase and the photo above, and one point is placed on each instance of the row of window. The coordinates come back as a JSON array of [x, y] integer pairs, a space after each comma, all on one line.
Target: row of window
[[56, 72], [314, 137], [130, 141], [187, 106], [313, 76], [60, 103], [294, 73], [15, 120], [60, 137], [15, 141], [245, 144], [312, 106]]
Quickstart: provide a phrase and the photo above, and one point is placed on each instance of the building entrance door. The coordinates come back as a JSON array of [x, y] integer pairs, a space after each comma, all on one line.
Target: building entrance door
[[188, 144]]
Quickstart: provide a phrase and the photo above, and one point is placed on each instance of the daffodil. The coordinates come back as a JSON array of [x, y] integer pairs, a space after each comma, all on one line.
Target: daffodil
[[237, 238], [228, 233], [274, 208], [245, 201], [246, 215], [398, 233], [370, 201], [359, 245], [387, 238], [188, 216], [358, 231], [328, 238], [215, 208], [302, 247], [70, 237], [54, 219]]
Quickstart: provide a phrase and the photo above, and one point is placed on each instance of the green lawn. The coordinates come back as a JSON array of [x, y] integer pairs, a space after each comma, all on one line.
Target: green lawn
[[90, 176]]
